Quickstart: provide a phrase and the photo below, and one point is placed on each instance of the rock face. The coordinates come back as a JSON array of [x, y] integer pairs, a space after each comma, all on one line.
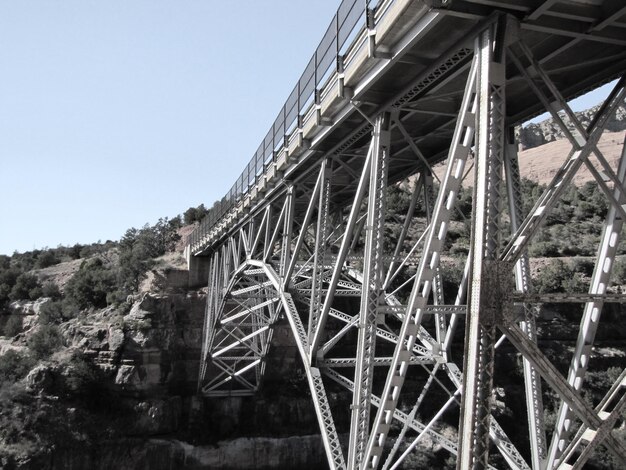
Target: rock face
[[149, 360], [121, 392], [153, 349], [546, 131], [22, 313], [302, 452]]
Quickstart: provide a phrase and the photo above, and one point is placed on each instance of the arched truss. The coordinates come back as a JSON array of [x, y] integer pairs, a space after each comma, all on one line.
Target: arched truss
[[372, 318]]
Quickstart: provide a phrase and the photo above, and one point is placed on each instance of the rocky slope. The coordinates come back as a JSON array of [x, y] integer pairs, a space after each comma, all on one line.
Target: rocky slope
[[138, 408], [541, 163], [536, 134]]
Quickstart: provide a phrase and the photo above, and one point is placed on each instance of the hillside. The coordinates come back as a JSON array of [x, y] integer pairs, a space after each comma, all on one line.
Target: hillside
[[536, 134], [541, 163]]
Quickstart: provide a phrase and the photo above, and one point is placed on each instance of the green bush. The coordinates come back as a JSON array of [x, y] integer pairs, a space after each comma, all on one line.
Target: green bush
[[74, 251], [51, 290], [557, 276], [26, 287], [46, 340], [13, 326], [8, 277], [398, 200], [583, 265], [46, 258], [91, 284], [51, 312], [463, 210], [15, 365], [5, 262], [547, 249], [139, 247], [619, 271], [194, 214]]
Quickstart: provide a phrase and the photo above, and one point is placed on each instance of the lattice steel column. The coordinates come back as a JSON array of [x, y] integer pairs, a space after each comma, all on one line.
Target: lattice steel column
[[321, 235], [435, 239], [438, 299], [371, 296], [285, 249], [486, 272], [590, 320], [532, 381]]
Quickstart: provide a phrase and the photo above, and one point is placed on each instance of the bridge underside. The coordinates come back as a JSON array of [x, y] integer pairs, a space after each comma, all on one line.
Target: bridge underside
[[367, 308]]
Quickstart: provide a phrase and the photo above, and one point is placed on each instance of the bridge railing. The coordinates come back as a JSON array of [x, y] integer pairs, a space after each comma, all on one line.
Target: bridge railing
[[350, 18]]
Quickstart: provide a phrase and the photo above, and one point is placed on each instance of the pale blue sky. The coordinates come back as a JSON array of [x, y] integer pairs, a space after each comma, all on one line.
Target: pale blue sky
[[115, 113]]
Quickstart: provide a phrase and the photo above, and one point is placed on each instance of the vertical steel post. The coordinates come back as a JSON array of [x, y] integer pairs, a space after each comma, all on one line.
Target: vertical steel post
[[457, 156], [480, 327], [321, 236], [371, 295], [532, 381], [343, 249], [285, 250]]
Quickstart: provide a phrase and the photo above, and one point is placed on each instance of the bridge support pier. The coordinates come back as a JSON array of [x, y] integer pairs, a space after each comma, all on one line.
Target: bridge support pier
[[198, 267]]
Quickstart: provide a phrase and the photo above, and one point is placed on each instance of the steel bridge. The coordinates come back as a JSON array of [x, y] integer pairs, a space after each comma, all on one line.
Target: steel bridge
[[394, 88]]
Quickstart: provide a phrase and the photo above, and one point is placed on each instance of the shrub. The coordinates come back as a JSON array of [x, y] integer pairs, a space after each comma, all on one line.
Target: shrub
[[451, 275], [463, 209], [81, 373], [91, 284], [51, 290], [45, 341], [558, 277], [46, 258], [138, 248], [74, 252], [51, 312], [194, 214], [544, 249], [26, 287], [13, 326], [14, 366], [398, 200], [583, 265], [619, 271], [8, 277]]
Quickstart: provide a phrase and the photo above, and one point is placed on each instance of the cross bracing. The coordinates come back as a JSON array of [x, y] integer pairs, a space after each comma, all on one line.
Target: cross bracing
[[303, 241]]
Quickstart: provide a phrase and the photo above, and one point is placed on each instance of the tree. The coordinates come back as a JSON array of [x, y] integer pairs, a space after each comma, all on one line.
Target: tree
[[557, 276], [138, 248], [8, 278], [26, 287], [46, 258], [46, 340], [195, 214], [91, 284], [14, 366]]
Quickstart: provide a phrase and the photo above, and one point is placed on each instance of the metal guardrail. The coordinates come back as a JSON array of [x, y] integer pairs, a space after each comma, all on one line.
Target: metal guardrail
[[350, 17]]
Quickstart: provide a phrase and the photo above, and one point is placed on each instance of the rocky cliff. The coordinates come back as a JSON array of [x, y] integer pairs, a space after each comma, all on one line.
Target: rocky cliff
[[536, 134], [121, 393]]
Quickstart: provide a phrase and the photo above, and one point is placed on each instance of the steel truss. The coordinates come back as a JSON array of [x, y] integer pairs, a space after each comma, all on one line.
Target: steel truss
[[369, 316]]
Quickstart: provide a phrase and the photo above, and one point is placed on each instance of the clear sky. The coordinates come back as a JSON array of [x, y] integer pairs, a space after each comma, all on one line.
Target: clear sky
[[115, 113]]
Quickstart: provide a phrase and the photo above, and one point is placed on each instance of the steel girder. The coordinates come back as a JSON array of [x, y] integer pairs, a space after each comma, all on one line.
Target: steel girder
[[369, 316]]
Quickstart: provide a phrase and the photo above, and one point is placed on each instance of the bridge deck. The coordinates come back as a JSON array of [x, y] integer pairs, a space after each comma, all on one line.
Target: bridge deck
[[411, 60]]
